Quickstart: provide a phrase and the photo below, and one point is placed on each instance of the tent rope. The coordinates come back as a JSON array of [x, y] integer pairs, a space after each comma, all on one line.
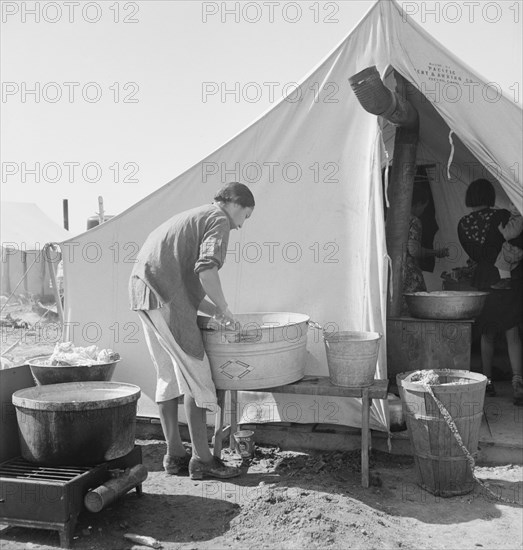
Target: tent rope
[[391, 276], [387, 168], [470, 459], [451, 155]]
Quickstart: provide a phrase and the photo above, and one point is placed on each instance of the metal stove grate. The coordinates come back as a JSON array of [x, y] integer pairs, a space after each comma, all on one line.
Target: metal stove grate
[[51, 497], [20, 468]]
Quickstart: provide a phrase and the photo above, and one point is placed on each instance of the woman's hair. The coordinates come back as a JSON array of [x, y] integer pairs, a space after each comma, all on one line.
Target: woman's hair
[[480, 193], [237, 193]]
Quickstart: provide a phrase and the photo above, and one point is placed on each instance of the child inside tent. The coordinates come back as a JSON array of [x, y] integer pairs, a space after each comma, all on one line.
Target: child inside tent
[[509, 259]]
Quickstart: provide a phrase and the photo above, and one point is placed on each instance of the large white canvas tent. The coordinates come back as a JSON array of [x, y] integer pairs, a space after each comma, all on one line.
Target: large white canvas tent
[[316, 241], [25, 230]]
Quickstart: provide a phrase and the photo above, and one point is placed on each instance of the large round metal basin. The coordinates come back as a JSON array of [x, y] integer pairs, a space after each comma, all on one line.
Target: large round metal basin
[[57, 374], [446, 304], [76, 423], [263, 350]]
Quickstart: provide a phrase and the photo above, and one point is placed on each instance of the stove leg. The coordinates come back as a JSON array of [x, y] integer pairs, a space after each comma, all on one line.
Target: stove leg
[[139, 491], [66, 533]]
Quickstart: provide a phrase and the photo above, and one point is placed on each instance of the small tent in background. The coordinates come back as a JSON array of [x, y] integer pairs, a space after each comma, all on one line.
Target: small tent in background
[[25, 230], [316, 241]]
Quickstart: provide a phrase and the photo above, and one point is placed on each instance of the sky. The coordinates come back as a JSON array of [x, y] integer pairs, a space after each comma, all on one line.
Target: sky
[[115, 99]]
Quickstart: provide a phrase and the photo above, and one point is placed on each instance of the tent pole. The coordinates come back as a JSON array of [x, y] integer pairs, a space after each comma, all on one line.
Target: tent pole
[[42, 276], [379, 100], [65, 207], [398, 215], [24, 267], [101, 214], [52, 272]]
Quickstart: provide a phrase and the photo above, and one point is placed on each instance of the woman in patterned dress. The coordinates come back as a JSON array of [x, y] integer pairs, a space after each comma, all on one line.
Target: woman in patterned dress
[[481, 239]]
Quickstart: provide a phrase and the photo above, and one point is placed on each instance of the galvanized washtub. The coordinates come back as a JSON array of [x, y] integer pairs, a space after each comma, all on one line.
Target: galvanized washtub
[[446, 304], [263, 350], [76, 423]]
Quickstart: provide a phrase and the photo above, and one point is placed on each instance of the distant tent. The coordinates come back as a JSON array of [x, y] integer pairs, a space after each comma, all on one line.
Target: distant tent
[[25, 230], [316, 242]]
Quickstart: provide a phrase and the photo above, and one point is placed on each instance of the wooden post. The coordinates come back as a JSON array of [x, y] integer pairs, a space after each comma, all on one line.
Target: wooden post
[[60, 310], [43, 278], [234, 418], [377, 99], [365, 437], [400, 197], [24, 269]]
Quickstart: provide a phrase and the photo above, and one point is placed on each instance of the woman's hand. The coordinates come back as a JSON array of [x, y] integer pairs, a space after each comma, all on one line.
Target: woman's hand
[[224, 317], [421, 252], [441, 252], [503, 230], [210, 281]]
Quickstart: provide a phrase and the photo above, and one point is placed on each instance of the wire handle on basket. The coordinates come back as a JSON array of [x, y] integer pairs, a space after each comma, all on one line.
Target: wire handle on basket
[[314, 324]]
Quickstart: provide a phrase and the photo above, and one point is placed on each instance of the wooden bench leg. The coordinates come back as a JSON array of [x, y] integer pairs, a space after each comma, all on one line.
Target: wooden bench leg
[[365, 437], [218, 424], [234, 418]]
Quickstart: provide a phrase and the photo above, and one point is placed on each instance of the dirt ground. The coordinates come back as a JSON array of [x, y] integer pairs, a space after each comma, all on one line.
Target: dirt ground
[[289, 500], [295, 501]]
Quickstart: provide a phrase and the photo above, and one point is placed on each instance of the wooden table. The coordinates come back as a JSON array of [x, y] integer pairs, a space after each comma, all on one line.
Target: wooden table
[[310, 385]]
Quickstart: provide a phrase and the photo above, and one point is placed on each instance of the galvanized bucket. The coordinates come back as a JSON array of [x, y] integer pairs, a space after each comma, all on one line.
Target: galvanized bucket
[[352, 357]]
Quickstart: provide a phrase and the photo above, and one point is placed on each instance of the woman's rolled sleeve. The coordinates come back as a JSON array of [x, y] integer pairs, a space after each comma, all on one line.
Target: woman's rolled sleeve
[[213, 247]]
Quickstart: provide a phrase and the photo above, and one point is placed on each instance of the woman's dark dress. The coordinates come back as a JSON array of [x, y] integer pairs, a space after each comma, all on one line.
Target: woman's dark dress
[[480, 238]]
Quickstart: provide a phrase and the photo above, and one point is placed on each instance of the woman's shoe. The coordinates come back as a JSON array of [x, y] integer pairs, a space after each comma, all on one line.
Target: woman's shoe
[[502, 284], [174, 465], [490, 390], [215, 468]]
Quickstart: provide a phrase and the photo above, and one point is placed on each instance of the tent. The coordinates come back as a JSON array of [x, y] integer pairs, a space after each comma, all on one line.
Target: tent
[[25, 229], [316, 241]]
